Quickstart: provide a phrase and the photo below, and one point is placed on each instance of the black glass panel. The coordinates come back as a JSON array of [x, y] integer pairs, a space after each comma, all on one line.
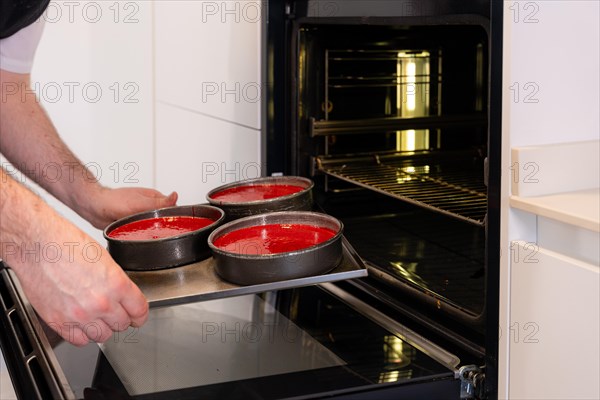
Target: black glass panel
[[374, 359]]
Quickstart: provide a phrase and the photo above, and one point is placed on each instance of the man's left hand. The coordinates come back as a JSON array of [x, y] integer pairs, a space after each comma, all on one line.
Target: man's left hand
[[113, 204]]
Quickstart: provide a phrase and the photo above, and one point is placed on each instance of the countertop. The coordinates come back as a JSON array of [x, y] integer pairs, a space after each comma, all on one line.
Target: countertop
[[578, 208]]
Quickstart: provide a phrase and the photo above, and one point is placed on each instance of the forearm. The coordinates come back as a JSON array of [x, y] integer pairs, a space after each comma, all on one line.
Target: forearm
[[28, 225], [30, 142]]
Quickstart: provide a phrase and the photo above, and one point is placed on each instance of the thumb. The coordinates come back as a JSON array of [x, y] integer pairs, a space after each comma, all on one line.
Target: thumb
[[168, 201]]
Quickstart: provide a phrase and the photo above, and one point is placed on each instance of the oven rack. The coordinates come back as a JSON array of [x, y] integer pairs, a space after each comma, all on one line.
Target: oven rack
[[450, 187]]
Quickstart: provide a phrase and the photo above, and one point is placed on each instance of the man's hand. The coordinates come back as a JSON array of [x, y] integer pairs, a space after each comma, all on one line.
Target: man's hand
[[84, 298], [70, 280], [109, 205]]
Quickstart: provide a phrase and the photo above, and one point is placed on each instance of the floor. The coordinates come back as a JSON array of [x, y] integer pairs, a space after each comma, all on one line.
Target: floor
[[6, 388]]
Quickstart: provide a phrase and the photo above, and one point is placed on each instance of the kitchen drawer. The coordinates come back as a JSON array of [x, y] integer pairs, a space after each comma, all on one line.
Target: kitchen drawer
[[554, 315]]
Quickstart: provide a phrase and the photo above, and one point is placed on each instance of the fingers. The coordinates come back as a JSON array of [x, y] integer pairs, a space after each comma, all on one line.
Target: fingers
[[135, 305], [98, 330], [152, 199], [82, 334], [97, 315], [172, 199], [117, 320], [166, 201]]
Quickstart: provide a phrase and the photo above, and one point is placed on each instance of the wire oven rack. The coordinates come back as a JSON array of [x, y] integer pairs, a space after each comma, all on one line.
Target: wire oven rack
[[448, 186]]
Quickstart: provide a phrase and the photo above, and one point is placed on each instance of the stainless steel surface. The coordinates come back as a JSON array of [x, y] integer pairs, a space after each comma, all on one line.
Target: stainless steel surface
[[432, 350], [300, 201], [200, 282], [249, 269], [443, 187], [213, 342], [168, 252]]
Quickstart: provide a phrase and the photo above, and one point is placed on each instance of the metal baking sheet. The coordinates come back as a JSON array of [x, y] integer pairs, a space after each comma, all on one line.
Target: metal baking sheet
[[199, 281]]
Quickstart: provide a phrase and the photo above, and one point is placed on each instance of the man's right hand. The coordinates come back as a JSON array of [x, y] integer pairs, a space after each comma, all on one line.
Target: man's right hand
[[71, 281], [86, 298]]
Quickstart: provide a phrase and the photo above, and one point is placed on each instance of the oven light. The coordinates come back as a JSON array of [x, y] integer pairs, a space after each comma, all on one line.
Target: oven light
[[399, 83], [411, 139], [411, 87]]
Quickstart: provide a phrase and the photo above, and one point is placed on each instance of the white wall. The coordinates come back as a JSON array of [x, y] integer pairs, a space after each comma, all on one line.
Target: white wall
[[208, 94], [186, 116], [551, 54], [93, 75], [179, 107]]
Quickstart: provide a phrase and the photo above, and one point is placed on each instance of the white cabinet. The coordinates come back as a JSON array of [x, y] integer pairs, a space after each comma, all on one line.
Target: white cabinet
[[551, 324], [93, 75], [550, 67], [196, 153], [163, 94], [98, 87], [208, 57], [555, 325], [549, 200]]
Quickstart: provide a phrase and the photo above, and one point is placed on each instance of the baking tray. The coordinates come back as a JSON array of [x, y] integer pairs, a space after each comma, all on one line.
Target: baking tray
[[199, 281]]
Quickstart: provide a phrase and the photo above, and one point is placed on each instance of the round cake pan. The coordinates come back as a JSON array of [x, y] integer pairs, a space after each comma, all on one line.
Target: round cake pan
[[250, 269], [299, 201], [167, 252]]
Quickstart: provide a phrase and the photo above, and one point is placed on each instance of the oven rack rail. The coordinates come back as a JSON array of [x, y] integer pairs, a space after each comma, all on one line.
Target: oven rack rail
[[445, 187], [388, 124]]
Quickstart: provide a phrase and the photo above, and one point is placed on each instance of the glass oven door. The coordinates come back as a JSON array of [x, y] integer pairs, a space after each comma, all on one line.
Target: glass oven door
[[308, 342]]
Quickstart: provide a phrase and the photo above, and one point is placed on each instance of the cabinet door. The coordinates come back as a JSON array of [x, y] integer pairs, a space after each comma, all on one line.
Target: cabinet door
[[542, 43], [196, 153], [554, 325], [208, 57], [93, 75]]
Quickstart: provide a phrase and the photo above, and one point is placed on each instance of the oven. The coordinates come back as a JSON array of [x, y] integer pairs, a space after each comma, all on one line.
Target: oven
[[392, 108]]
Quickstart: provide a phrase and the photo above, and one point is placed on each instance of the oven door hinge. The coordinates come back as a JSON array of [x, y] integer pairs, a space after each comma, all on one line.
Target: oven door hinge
[[472, 382]]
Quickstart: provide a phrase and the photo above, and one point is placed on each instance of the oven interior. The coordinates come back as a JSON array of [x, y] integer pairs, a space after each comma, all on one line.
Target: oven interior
[[391, 122]]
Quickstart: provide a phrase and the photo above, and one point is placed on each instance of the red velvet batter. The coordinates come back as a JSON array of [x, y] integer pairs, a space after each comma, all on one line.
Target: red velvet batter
[[273, 238], [242, 194], [159, 228]]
